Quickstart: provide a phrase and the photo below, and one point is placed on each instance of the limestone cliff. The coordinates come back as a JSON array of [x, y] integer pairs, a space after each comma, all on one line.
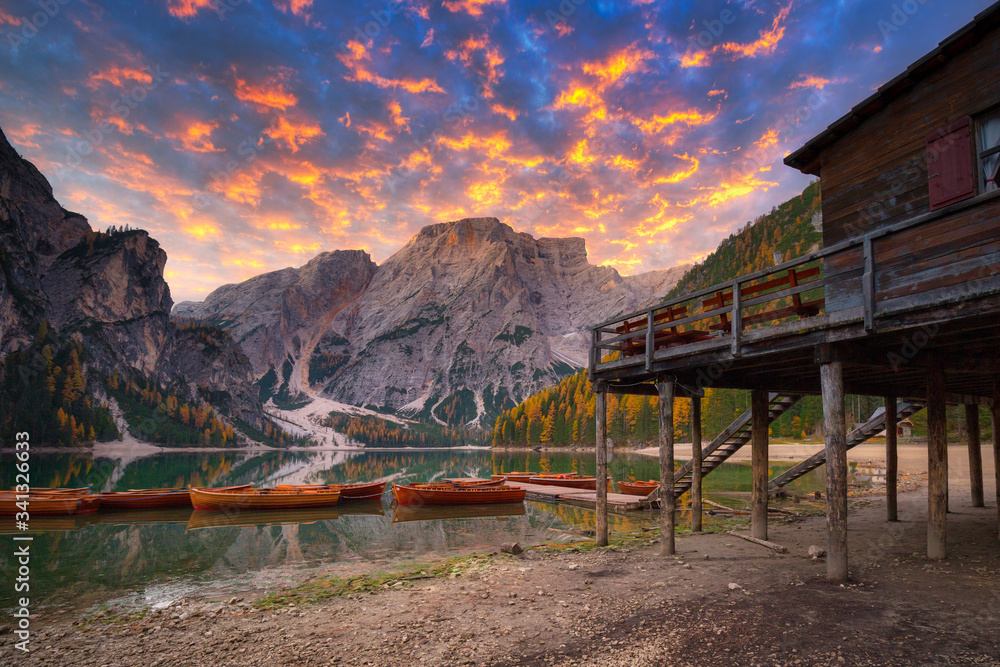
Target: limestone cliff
[[105, 290], [465, 319]]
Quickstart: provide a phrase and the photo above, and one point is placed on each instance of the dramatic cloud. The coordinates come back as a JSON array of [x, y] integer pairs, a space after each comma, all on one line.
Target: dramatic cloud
[[249, 136]]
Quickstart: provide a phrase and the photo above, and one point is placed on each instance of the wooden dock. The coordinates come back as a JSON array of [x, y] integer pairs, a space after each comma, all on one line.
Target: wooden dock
[[617, 502]]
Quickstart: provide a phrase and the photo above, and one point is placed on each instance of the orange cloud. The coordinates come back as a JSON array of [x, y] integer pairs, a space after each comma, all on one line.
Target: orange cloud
[[297, 7], [398, 119], [185, 9], [618, 64], [768, 139], [764, 45], [682, 175], [816, 82], [470, 7], [357, 61], [294, 132], [118, 76], [271, 93], [734, 188], [656, 124], [345, 120], [501, 110], [197, 137], [487, 66]]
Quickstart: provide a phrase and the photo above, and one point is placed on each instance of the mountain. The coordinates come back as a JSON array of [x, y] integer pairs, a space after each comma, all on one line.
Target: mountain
[[564, 414], [463, 321], [78, 307]]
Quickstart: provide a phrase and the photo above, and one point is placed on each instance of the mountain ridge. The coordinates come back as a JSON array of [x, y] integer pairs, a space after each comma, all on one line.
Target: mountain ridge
[[466, 317]]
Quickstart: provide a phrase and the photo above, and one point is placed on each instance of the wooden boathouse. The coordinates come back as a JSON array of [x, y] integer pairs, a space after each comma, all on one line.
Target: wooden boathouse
[[901, 302]]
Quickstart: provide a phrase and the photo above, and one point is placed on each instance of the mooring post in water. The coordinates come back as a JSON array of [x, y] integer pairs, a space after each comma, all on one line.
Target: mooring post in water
[[937, 466], [601, 410], [975, 455], [995, 415], [696, 506], [891, 458], [665, 412], [759, 426], [835, 430]]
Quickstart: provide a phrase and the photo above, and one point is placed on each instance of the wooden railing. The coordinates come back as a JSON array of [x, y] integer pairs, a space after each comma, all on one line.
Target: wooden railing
[[927, 259]]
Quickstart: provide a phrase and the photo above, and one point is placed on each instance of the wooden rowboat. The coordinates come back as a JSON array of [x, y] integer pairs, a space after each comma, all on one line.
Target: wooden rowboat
[[517, 476], [145, 499], [450, 494], [638, 488], [244, 499], [497, 480], [359, 491], [50, 503], [567, 481]]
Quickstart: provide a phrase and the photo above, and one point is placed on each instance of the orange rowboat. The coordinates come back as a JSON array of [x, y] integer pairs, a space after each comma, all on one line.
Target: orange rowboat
[[449, 494], [497, 480], [638, 488], [359, 491], [145, 499], [568, 481], [517, 476], [50, 503], [241, 499]]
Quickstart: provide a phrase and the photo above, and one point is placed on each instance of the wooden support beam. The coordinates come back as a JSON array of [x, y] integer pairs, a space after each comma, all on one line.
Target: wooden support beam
[[891, 459], [995, 414], [665, 387], [975, 455], [696, 504], [835, 430], [758, 461], [601, 413], [937, 467]]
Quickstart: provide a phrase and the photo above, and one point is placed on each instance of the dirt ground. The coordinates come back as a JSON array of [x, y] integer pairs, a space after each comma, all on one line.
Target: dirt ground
[[719, 601]]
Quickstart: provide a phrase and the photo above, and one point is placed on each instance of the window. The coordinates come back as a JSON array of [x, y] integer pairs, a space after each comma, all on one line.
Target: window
[[950, 166], [988, 150]]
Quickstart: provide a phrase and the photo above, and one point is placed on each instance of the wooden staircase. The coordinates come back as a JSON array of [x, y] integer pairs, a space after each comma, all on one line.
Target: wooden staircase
[[731, 440], [872, 427]]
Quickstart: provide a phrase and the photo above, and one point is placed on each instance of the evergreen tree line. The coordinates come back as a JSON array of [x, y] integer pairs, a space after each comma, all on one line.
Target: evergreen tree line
[[377, 432], [43, 391]]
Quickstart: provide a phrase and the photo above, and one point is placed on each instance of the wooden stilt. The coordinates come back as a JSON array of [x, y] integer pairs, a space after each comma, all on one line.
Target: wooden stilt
[[995, 414], [696, 505], [937, 467], [665, 388], [758, 463], [601, 412], [835, 430], [975, 455], [891, 459]]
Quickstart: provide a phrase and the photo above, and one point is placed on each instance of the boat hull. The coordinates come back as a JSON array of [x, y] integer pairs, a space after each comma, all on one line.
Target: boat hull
[[452, 495], [637, 488], [588, 483], [517, 476], [50, 504], [257, 499], [146, 499]]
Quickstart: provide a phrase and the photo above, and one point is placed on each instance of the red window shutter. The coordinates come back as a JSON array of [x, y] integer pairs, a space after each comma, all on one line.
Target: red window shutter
[[950, 172]]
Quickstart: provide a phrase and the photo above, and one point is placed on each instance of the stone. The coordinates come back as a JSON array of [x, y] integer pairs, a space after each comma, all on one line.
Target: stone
[[511, 548], [816, 552]]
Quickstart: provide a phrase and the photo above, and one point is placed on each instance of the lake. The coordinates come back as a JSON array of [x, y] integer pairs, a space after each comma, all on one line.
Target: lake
[[154, 558]]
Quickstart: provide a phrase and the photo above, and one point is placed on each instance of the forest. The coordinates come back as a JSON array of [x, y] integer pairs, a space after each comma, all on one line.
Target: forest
[[564, 414], [375, 431]]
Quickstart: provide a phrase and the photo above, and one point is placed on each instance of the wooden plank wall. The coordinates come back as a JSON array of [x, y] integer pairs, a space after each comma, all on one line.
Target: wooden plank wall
[[936, 259], [877, 173]]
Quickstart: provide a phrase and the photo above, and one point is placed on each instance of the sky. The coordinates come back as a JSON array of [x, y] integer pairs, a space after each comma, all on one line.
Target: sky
[[251, 135]]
